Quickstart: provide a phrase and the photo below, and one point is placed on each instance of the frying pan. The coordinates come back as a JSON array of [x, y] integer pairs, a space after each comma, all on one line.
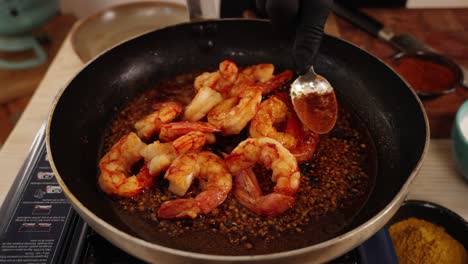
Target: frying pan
[[384, 103]]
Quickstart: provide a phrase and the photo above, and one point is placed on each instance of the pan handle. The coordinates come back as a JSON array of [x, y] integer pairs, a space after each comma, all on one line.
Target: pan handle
[[361, 20]]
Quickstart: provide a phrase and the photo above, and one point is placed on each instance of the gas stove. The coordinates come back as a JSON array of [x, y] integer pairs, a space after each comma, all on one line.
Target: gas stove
[[40, 225]]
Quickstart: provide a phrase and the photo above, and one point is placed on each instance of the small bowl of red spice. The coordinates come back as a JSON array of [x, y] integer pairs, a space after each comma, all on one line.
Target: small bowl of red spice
[[429, 74]]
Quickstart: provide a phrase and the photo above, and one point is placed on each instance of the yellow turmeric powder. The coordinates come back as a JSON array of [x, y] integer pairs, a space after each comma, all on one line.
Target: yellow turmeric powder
[[419, 241]]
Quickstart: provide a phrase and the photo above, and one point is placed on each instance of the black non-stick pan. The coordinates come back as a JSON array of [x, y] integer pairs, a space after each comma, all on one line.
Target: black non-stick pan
[[384, 104]]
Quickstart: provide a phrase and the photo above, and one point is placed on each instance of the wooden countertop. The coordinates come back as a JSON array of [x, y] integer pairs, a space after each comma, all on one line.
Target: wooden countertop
[[437, 181], [446, 30]]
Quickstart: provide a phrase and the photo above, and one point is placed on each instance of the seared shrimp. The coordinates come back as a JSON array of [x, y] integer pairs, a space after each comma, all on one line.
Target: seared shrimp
[[272, 112], [262, 75], [275, 82], [257, 73], [211, 89], [174, 130], [214, 180], [306, 139], [285, 173], [234, 113], [276, 110], [160, 155], [304, 151], [191, 141], [116, 165], [164, 113], [206, 79], [220, 80], [205, 99]]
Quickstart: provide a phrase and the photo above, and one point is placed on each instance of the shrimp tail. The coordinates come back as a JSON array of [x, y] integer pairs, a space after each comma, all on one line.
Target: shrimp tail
[[274, 204], [180, 208], [210, 199], [249, 194], [172, 131], [275, 82], [144, 177], [247, 190]]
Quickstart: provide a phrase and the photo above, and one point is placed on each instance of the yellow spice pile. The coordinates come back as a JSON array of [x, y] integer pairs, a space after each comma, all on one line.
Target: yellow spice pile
[[419, 241]]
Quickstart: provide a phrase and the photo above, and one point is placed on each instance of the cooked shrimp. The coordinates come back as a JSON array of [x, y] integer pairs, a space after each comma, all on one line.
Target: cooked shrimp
[[304, 151], [160, 155], [306, 139], [262, 75], [164, 113], [174, 130], [272, 112], [257, 73], [285, 173], [220, 80], [228, 71], [214, 180], [116, 165], [234, 113], [276, 110], [191, 141], [205, 99], [275, 82], [206, 79]]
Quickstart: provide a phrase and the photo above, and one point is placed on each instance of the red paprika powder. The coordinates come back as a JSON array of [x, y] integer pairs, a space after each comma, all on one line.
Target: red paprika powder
[[425, 75]]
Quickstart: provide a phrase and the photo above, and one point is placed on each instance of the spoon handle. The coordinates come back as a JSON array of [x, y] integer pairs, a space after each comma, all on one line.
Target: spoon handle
[[309, 76]]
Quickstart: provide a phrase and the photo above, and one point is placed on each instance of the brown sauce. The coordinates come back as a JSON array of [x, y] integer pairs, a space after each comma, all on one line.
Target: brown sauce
[[318, 110], [335, 185]]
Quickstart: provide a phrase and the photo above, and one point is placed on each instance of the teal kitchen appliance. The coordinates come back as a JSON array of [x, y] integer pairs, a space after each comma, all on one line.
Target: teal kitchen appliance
[[17, 20]]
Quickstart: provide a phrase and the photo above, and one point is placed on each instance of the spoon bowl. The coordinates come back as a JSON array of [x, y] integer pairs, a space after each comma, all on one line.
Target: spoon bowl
[[314, 102]]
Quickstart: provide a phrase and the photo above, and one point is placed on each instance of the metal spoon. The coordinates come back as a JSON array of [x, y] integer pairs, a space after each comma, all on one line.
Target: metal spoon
[[314, 101]]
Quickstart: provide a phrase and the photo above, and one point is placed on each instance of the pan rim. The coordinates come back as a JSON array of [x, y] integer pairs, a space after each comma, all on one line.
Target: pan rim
[[380, 217]]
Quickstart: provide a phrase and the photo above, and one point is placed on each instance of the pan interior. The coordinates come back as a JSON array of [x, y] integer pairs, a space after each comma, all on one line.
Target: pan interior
[[335, 183], [384, 105]]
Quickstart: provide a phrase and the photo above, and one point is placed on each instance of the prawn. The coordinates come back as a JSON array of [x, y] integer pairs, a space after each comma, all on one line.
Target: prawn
[[174, 130], [159, 156], [271, 112], [220, 80], [285, 173], [257, 73], [211, 88], [205, 99], [214, 180], [116, 165], [164, 113], [262, 75], [275, 82], [234, 113], [276, 110], [306, 139]]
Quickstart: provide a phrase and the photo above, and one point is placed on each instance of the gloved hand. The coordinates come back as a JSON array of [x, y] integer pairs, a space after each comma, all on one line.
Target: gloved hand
[[304, 18]]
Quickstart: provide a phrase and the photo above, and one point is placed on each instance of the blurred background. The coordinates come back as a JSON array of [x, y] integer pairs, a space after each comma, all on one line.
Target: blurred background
[[32, 32]]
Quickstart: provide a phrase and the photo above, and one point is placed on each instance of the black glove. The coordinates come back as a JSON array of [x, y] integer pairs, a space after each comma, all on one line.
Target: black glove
[[306, 18]]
